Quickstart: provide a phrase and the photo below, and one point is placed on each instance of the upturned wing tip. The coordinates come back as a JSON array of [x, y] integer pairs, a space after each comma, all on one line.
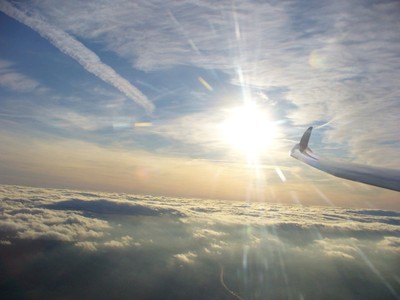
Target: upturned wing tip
[[305, 138]]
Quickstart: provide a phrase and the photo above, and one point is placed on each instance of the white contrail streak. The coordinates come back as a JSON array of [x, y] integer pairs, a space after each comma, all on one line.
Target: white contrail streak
[[75, 49], [221, 279]]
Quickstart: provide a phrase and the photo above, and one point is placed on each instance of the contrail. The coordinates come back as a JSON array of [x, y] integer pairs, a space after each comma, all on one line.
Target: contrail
[[75, 49], [221, 279]]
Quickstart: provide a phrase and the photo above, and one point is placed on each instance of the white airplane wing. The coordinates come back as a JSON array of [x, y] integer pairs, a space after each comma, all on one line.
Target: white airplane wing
[[385, 178]]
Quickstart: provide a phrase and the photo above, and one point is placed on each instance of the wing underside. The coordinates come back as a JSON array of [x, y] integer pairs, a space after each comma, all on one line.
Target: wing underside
[[381, 177]]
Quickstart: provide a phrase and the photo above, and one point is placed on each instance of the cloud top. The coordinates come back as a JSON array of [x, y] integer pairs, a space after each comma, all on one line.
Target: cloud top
[[146, 241]]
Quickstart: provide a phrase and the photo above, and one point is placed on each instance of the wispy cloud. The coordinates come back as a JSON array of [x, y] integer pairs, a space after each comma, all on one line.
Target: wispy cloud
[[186, 258], [75, 49], [123, 242], [15, 81], [337, 62]]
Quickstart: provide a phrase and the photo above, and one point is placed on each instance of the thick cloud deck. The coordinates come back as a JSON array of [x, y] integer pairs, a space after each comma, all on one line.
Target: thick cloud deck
[[69, 244]]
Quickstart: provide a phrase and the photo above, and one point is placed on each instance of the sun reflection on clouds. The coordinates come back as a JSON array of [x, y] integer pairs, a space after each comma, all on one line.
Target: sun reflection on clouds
[[317, 60], [143, 124]]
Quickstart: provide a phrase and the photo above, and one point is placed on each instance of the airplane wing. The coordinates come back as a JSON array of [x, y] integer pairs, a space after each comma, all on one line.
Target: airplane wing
[[385, 178]]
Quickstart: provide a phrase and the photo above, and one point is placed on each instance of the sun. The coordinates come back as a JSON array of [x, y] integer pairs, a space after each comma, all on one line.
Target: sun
[[248, 129]]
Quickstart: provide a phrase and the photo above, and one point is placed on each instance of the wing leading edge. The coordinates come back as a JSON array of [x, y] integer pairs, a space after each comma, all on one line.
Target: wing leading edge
[[381, 177]]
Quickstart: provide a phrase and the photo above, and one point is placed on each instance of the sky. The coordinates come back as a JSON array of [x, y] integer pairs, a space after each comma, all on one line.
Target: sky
[[59, 243], [198, 98]]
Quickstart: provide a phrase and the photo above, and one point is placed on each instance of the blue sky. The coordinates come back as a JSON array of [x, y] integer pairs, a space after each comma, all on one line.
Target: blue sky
[[132, 96]]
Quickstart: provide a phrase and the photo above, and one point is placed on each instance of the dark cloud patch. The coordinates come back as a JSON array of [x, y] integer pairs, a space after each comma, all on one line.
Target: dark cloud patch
[[294, 275], [88, 195], [48, 270], [372, 212], [333, 217], [107, 207]]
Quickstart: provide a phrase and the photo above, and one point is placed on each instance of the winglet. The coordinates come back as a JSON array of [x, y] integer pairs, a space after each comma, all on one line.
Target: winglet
[[304, 139]]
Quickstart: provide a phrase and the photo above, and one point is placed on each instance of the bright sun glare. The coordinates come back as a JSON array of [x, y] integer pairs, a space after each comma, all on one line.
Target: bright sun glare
[[248, 129]]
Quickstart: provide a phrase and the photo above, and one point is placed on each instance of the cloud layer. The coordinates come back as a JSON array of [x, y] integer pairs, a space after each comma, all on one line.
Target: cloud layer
[[156, 247]]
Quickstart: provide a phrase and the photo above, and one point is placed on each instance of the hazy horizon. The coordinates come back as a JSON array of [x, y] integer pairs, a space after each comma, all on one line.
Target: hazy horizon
[[316, 203]]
